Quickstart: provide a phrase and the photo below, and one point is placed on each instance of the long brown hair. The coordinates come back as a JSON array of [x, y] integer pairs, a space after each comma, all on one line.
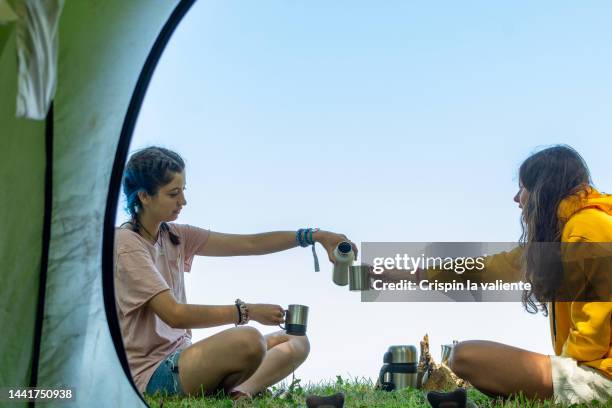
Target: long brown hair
[[549, 176]]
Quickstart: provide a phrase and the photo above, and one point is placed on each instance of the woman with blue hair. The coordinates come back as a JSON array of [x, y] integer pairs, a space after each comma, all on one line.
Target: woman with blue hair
[[153, 252]]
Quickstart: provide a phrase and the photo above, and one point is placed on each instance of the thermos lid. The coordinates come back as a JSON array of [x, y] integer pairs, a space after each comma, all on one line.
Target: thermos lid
[[403, 354], [344, 247]]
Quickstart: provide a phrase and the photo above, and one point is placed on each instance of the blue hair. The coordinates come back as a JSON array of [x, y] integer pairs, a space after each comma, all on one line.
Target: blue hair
[[146, 171]]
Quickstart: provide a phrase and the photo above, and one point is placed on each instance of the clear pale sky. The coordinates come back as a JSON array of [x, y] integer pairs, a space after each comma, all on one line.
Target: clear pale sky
[[392, 121]]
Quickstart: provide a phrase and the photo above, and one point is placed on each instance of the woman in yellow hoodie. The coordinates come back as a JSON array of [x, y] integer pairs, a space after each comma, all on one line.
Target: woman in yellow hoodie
[[559, 205]]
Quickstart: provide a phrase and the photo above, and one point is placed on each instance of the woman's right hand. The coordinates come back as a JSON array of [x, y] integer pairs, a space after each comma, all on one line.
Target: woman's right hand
[[270, 315]]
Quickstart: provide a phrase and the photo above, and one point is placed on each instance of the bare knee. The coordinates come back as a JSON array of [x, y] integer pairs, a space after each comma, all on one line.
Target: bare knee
[[461, 359], [249, 345], [299, 347]]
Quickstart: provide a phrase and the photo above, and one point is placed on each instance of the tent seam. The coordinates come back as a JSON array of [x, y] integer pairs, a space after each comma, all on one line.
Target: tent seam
[[46, 241]]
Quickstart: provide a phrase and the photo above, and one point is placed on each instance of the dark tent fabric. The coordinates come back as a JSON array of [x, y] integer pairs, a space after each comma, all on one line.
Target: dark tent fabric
[[60, 183]]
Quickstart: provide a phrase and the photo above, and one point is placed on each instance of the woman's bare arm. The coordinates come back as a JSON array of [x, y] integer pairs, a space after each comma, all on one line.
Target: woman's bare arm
[[188, 316], [222, 244], [185, 316]]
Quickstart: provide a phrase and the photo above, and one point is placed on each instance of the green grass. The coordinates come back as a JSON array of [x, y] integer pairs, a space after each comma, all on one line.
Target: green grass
[[358, 393]]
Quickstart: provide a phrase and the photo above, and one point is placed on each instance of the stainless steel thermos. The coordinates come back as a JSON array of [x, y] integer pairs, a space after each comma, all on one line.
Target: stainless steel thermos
[[399, 369], [344, 257]]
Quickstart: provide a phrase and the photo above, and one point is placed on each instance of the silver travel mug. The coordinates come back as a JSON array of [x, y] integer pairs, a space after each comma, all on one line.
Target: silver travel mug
[[296, 320]]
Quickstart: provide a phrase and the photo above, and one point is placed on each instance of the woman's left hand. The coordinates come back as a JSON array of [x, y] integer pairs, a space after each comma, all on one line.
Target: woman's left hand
[[330, 241]]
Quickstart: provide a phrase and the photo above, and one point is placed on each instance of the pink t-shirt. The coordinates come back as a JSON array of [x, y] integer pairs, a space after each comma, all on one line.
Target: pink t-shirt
[[142, 270]]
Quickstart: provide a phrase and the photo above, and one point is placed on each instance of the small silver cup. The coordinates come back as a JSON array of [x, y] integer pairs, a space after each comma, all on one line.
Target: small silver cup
[[359, 277], [296, 320], [447, 349]]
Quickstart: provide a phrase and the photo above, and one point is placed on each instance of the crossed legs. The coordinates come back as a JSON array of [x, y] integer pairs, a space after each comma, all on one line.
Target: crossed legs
[[240, 359], [285, 354], [499, 370]]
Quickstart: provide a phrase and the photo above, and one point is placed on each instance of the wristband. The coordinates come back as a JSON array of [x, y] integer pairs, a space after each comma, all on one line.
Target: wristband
[[303, 237]]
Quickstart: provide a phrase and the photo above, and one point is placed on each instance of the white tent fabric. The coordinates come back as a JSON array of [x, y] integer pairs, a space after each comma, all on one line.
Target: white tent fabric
[[57, 215], [37, 43]]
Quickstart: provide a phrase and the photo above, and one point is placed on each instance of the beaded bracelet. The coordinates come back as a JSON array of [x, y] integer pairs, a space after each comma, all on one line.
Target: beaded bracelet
[[299, 237], [243, 312]]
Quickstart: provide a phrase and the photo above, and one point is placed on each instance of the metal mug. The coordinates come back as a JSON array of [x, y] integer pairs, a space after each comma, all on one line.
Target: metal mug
[[447, 349], [296, 320], [359, 277]]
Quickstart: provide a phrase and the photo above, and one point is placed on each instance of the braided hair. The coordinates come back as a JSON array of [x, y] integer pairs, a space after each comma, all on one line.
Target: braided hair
[[147, 170]]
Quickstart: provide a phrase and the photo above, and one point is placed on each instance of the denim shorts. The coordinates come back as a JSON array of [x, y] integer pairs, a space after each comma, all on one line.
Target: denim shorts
[[165, 379]]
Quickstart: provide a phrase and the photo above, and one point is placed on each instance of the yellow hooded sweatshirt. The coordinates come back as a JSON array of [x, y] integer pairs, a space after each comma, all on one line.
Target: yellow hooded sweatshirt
[[583, 330]]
